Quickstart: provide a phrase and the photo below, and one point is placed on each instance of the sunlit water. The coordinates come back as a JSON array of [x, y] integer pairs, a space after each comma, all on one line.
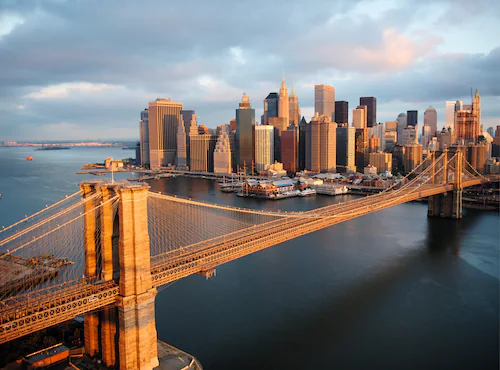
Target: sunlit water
[[389, 290]]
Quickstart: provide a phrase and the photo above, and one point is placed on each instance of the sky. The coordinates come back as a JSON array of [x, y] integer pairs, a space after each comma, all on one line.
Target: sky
[[84, 69]]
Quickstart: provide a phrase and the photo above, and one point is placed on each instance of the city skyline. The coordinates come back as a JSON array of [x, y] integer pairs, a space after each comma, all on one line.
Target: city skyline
[[60, 83]]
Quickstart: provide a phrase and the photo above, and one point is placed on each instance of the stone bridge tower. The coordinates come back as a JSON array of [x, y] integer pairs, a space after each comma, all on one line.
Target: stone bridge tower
[[116, 243]]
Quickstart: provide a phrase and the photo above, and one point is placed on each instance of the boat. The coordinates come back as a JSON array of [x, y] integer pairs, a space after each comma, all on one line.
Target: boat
[[307, 192], [29, 158], [331, 190], [286, 194]]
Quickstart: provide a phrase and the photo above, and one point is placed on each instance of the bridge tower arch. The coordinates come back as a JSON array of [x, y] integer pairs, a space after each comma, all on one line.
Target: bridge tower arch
[[448, 204], [116, 242]]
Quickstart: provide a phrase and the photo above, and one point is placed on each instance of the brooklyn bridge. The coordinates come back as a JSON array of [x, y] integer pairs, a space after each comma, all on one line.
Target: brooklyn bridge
[[103, 251]]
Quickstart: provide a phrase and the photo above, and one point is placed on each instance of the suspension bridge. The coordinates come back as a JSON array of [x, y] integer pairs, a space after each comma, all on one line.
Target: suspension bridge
[[104, 251]]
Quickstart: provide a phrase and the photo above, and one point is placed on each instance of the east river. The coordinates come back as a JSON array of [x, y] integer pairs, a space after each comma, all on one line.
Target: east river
[[389, 290]]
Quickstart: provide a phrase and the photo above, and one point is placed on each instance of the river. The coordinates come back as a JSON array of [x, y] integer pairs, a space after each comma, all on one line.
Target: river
[[389, 290]]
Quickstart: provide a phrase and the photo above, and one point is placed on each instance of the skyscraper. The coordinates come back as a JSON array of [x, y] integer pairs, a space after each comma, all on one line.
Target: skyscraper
[[271, 107], [324, 101], [289, 149], [323, 144], [280, 125], [182, 159], [293, 108], [264, 146], [224, 150], [383, 161], [202, 152], [245, 119], [283, 106], [371, 104], [346, 149], [164, 115], [144, 139], [361, 157], [401, 125], [303, 148], [450, 115], [341, 112], [412, 157], [430, 119], [187, 116], [359, 116], [412, 118], [468, 121]]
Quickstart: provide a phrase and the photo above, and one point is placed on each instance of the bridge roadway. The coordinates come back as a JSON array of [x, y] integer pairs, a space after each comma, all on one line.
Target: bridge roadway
[[28, 313]]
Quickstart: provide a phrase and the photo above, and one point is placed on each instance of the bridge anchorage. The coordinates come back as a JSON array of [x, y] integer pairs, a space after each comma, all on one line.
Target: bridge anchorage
[[103, 252]]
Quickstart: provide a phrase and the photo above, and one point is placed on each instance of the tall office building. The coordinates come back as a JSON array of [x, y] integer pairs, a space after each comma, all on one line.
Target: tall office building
[[187, 116], [430, 119], [476, 156], [182, 156], [361, 157], [391, 126], [346, 149], [371, 104], [163, 119], [202, 152], [283, 104], [280, 125], [468, 121], [232, 123], [401, 120], [303, 146], [359, 117], [412, 157], [144, 138], [271, 107], [450, 115], [323, 144], [390, 140], [383, 161], [341, 112], [224, 151], [409, 136], [324, 101], [412, 118], [379, 131], [289, 149], [293, 108], [264, 147], [245, 120]]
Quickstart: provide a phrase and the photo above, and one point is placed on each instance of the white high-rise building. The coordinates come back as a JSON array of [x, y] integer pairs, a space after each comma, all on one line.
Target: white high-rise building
[[224, 150], [264, 146], [324, 101]]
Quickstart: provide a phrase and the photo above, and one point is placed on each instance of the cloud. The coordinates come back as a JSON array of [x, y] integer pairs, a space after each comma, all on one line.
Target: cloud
[[64, 90], [67, 63]]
